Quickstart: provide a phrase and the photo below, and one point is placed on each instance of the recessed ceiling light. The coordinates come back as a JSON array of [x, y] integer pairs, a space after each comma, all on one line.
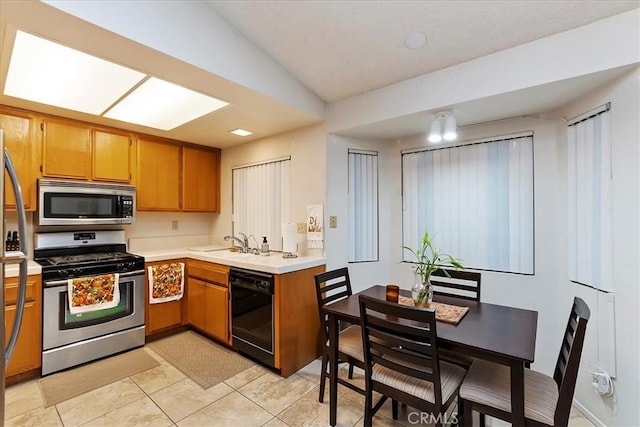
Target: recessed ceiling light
[[49, 73], [241, 132], [163, 105], [415, 39]]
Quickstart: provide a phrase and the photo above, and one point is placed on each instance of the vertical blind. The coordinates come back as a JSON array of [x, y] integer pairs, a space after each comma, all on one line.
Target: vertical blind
[[589, 201], [475, 200], [262, 200], [363, 206]]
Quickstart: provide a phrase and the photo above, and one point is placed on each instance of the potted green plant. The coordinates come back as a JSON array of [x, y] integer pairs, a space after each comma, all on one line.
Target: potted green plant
[[428, 260]]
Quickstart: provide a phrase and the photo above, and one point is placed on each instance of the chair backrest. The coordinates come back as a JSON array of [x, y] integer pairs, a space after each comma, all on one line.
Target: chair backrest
[[402, 339], [568, 362], [331, 286], [456, 283]]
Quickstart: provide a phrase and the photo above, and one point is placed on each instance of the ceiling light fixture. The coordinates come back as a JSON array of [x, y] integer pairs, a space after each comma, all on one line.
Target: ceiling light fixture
[[65, 78], [241, 132], [81, 82], [162, 105], [450, 129]]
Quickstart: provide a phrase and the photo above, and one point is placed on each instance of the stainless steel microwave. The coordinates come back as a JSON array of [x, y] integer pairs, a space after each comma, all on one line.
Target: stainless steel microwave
[[85, 203]]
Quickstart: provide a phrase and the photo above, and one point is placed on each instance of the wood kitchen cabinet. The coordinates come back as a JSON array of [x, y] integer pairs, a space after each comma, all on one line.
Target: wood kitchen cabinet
[[28, 350], [66, 149], [112, 157], [200, 179], [297, 323], [176, 177], [78, 151], [208, 299], [163, 316], [158, 182], [19, 136]]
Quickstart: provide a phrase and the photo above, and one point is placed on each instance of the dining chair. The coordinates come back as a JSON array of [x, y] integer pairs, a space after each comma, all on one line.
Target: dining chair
[[456, 283], [332, 286], [401, 360], [486, 388]]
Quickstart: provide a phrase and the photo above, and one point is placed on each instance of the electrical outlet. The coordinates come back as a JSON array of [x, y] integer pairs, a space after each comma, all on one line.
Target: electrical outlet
[[174, 225], [333, 222], [301, 228]]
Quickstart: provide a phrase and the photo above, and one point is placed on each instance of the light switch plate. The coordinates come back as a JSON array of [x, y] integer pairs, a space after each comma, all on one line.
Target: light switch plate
[[333, 222], [301, 228]]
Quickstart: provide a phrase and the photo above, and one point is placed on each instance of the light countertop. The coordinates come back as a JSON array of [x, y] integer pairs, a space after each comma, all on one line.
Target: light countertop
[[274, 263], [13, 270]]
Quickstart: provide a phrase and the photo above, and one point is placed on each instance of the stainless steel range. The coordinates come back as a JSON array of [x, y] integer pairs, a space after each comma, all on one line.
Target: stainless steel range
[[70, 339]]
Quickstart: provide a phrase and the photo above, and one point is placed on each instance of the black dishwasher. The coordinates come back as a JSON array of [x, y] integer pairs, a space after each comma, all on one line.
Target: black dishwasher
[[252, 314]]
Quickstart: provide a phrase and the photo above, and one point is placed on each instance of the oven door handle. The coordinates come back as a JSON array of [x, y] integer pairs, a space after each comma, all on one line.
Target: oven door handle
[[64, 282]]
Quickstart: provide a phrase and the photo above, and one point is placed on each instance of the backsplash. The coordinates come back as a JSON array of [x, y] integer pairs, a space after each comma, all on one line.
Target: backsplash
[[152, 230], [166, 230]]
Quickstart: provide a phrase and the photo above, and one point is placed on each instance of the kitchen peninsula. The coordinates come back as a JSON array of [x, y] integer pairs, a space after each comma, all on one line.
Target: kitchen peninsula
[[207, 304]]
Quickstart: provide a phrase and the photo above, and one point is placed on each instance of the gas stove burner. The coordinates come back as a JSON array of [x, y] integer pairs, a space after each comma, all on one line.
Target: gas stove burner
[[67, 255], [85, 258]]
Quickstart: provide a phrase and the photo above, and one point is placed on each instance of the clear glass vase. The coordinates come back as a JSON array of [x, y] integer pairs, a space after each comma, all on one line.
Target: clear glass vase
[[421, 292]]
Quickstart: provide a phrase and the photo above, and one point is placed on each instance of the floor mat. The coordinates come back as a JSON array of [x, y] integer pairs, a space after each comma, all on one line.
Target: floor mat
[[65, 385], [203, 361]]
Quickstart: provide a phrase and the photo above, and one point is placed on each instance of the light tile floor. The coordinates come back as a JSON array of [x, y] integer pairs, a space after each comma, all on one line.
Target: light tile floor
[[163, 396]]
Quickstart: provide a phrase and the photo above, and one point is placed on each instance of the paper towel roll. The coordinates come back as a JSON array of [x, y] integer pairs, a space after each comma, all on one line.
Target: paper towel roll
[[289, 237]]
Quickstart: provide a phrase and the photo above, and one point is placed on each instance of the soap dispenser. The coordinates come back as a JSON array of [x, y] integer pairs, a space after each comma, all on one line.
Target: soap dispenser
[[264, 251]]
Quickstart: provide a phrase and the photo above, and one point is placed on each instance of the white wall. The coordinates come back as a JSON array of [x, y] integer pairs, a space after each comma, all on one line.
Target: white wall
[[362, 274], [621, 409], [308, 174]]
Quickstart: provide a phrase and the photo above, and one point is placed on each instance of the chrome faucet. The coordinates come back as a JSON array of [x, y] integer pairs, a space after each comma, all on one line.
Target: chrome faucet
[[245, 240], [244, 244]]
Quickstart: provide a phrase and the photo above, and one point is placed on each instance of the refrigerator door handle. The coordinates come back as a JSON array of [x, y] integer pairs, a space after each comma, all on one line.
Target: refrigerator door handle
[[22, 227]]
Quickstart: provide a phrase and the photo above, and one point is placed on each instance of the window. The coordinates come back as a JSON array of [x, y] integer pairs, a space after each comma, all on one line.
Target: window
[[363, 206], [261, 200], [476, 200], [589, 199]]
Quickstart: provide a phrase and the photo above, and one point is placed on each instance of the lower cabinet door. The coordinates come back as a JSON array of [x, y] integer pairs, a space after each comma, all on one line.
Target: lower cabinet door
[[195, 303], [27, 353], [28, 350], [217, 311]]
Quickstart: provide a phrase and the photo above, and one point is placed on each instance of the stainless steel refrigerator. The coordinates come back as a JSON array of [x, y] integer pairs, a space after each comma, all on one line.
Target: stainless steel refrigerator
[[13, 257]]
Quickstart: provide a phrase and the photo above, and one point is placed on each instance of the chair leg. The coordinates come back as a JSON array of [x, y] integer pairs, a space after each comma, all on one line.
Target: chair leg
[[368, 408], [350, 371], [464, 412], [323, 375], [394, 409]]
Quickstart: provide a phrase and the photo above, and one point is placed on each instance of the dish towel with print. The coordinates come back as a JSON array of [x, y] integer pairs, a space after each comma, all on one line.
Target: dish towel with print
[[315, 226], [92, 293], [166, 282]]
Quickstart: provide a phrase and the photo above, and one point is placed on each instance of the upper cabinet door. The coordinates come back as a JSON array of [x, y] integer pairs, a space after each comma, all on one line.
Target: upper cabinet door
[[66, 150], [158, 183], [18, 140], [111, 157], [200, 180]]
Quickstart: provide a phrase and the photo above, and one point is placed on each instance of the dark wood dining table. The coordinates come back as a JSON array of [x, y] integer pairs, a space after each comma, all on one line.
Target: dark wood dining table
[[500, 334]]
